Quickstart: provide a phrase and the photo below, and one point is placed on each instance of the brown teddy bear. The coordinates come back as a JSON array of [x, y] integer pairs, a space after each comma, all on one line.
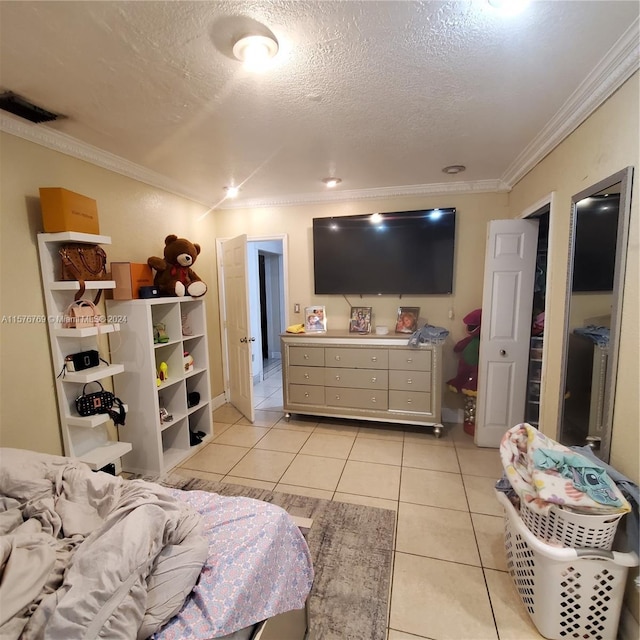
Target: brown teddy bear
[[174, 276]]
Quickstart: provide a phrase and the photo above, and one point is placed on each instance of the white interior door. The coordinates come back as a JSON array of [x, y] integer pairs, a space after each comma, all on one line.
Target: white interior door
[[507, 303], [239, 339]]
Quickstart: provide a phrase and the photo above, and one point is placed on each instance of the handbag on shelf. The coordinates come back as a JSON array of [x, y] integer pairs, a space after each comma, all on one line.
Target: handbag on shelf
[[81, 314], [91, 404], [83, 262]]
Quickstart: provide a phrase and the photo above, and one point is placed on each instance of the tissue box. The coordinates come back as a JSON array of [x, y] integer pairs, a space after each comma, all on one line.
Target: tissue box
[[129, 277], [64, 210]]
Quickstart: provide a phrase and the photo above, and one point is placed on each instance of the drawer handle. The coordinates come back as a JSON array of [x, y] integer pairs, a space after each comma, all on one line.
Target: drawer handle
[[337, 397], [306, 375], [409, 359], [374, 358], [337, 377], [374, 379], [306, 394], [408, 400], [373, 400], [337, 357], [306, 356], [409, 381]]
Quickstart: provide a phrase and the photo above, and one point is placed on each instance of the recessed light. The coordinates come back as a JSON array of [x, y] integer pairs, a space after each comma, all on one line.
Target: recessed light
[[255, 51], [509, 7], [452, 169], [331, 182], [232, 192]]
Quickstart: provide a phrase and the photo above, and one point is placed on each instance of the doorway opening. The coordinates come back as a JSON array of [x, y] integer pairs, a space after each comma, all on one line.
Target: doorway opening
[[534, 374], [267, 306]]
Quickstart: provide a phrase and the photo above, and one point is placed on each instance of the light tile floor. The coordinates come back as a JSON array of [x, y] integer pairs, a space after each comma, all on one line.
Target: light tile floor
[[449, 574]]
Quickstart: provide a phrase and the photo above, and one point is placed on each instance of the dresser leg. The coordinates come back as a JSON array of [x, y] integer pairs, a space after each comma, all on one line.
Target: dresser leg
[[437, 430]]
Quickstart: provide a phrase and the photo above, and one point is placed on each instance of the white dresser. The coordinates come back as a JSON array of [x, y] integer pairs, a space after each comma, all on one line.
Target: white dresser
[[364, 377]]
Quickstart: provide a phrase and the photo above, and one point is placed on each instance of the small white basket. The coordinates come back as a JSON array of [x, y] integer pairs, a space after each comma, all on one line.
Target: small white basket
[[569, 593], [569, 529]]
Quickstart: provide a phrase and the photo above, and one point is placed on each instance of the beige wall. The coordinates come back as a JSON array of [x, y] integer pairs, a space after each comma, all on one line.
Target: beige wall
[[604, 144], [472, 214], [136, 216]]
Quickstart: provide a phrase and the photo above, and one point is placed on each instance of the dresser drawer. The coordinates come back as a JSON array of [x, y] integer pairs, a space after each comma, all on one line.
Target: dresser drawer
[[306, 394], [311, 356], [410, 380], [357, 358], [418, 401], [357, 398], [356, 378], [306, 375], [410, 359]]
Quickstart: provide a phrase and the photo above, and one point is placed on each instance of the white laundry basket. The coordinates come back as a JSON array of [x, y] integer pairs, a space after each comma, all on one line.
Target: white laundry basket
[[561, 526], [569, 593]]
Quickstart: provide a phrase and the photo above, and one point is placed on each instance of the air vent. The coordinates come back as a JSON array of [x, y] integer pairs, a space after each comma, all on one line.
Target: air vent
[[13, 103]]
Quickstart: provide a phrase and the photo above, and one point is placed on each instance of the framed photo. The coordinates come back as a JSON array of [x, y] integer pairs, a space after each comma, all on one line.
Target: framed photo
[[407, 321], [315, 319], [360, 321]]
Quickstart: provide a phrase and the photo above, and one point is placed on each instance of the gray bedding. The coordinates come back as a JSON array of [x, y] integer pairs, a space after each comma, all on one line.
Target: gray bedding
[[89, 555]]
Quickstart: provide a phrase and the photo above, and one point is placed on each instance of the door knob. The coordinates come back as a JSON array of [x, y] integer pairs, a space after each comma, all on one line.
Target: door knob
[[252, 339], [243, 339], [503, 353]]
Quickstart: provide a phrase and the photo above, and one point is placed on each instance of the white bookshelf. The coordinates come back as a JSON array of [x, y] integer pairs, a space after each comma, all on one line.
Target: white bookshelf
[[86, 438], [158, 445]]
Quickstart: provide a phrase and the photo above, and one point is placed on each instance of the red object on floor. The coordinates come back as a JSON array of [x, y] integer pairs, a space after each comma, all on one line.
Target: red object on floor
[[470, 428]]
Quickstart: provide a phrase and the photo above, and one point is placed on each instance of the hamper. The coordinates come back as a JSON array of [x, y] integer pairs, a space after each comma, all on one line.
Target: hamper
[[568, 592], [570, 529]]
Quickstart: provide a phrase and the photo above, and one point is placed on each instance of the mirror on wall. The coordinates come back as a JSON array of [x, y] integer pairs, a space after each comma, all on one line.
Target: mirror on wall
[[597, 256]]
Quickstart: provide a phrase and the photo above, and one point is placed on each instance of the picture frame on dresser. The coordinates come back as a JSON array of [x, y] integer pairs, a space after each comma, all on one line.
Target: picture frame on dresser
[[315, 319], [407, 320], [360, 320]]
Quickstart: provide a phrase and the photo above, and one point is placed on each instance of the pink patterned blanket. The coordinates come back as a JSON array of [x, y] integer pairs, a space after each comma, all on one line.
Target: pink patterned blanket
[[258, 566]]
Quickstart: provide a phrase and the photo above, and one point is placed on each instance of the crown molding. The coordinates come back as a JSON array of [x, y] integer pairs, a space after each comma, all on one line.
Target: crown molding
[[443, 188], [57, 141], [620, 63]]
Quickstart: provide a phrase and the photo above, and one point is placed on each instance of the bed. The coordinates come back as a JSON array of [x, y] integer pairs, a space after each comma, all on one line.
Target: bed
[[90, 555]]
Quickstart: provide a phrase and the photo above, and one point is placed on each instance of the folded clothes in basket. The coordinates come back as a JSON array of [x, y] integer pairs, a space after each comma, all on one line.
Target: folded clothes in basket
[[543, 473]]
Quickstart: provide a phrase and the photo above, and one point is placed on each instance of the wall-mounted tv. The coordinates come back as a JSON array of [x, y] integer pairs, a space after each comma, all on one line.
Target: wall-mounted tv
[[405, 252]]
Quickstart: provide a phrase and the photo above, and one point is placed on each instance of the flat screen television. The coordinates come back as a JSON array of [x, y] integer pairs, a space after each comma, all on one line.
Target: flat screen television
[[405, 252]]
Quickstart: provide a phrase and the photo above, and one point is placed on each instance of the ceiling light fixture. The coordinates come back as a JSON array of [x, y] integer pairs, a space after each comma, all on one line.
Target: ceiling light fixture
[[255, 51], [452, 169], [232, 192], [509, 7], [330, 183]]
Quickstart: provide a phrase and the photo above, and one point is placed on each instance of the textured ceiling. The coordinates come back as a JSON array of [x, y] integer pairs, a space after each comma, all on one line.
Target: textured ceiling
[[381, 94]]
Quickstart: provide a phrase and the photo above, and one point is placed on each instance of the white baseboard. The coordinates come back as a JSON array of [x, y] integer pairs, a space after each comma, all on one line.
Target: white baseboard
[[218, 401]]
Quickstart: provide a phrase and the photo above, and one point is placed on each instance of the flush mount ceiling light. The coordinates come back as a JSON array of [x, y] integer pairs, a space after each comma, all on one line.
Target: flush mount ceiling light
[[255, 51], [452, 169], [331, 182], [509, 7], [232, 192]]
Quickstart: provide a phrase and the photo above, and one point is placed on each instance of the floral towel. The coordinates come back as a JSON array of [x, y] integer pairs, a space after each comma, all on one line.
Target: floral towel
[[543, 472]]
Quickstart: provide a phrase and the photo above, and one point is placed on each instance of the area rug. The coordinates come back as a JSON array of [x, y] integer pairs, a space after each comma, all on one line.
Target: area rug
[[352, 550]]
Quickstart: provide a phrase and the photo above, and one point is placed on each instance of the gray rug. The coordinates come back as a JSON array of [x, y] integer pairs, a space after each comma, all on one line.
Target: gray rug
[[352, 551]]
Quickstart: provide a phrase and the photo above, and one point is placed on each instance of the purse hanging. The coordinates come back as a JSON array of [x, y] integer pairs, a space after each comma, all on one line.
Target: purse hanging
[[83, 262], [91, 404], [80, 314]]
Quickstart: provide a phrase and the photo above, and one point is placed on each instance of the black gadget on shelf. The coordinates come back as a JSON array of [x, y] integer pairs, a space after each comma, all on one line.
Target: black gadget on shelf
[[82, 360]]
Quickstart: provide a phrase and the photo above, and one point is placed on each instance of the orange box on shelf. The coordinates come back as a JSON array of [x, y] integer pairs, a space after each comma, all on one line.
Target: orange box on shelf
[[64, 210], [129, 277]]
